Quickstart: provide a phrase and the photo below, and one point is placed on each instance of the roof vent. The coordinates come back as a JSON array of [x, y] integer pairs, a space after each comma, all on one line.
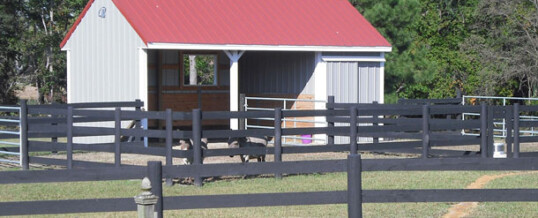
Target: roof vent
[[102, 12]]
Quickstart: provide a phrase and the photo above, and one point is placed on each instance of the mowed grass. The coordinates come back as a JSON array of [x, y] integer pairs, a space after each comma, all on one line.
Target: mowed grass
[[295, 183], [510, 209]]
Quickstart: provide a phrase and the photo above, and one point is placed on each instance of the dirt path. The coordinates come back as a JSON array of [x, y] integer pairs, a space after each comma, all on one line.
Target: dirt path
[[464, 208]]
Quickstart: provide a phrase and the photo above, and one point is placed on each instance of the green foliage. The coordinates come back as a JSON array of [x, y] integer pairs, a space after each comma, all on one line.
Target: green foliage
[[205, 69], [10, 31]]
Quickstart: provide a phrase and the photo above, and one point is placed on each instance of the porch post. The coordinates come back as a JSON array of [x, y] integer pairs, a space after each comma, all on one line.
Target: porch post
[[234, 84], [143, 76]]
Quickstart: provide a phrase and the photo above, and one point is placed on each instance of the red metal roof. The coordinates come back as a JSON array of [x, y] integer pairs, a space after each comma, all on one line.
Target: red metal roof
[[249, 22]]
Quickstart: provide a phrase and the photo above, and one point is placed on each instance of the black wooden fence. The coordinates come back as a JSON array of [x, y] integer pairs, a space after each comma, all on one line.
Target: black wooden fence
[[423, 129], [355, 196], [418, 129]]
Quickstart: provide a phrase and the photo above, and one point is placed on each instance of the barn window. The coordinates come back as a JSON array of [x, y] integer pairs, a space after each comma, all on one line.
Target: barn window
[[199, 69]]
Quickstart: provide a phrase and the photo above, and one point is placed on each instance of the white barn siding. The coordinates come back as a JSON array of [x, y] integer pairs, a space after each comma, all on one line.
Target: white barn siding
[[103, 57], [354, 82], [103, 64]]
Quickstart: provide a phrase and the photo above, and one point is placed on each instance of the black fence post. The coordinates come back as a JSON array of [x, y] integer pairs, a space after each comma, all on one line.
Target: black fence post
[[138, 122], [25, 157], [278, 138], [55, 138], [69, 144], [353, 130], [509, 127], [425, 130], [242, 108], [197, 138], [168, 142], [329, 106], [483, 129], [354, 186], [155, 176], [491, 126], [117, 137], [516, 130], [375, 122]]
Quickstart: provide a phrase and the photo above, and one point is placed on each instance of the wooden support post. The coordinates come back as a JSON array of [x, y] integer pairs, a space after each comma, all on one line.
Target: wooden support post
[[354, 186], [509, 127], [234, 57], [516, 130], [25, 157], [353, 129], [491, 115], [278, 138], [197, 140], [155, 175], [242, 108], [425, 131], [375, 123], [329, 106], [168, 142], [117, 137], [69, 144], [483, 130]]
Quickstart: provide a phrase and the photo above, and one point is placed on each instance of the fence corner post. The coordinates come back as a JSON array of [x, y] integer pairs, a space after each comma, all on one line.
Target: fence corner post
[[25, 157], [155, 175], [329, 106], [146, 200], [425, 131], [278, 138], [483, 130], [354, 186], [197, 139]]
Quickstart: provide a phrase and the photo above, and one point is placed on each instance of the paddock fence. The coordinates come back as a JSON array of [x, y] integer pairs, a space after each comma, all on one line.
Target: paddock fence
[[413, 129], [354, 196], [423, 130]]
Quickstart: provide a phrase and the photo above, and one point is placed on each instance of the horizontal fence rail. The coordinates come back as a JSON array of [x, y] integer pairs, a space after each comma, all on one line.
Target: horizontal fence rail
[[406, 128], [355, 196]]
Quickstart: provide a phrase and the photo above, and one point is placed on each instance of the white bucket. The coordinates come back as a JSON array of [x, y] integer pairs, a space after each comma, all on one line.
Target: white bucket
[[499, 150]]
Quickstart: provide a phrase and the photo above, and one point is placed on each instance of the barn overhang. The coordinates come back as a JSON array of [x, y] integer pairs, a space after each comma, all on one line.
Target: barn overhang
[[183, 46]]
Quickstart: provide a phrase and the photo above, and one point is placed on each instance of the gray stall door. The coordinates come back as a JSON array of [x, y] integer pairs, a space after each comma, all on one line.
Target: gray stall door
[[353, 82]]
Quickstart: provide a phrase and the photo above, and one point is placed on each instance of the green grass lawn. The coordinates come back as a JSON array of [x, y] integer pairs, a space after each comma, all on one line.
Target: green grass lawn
[[509, 209], [298, 183]]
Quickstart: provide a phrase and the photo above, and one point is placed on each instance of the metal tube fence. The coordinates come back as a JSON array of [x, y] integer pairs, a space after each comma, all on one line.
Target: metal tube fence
[[10, 127], [287, 104], [500, 123]]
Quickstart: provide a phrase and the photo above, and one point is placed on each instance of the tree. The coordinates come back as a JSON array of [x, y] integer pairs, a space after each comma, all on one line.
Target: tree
[[10, 30], [505, 41], [407, 66], [47, 22]]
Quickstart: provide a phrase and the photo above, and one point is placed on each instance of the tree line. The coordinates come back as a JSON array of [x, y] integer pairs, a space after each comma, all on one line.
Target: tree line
[[480, 47]]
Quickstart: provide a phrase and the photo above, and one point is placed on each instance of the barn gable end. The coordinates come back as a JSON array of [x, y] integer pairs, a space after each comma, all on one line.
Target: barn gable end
[[103, 56]]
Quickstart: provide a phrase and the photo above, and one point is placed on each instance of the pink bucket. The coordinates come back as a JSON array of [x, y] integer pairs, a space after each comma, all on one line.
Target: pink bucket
[[306, 139]]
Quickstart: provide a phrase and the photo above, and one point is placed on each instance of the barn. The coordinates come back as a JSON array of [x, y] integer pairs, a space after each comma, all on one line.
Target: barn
[[186, 54]]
